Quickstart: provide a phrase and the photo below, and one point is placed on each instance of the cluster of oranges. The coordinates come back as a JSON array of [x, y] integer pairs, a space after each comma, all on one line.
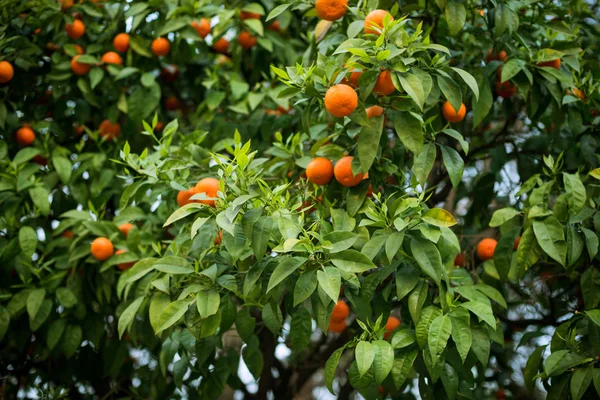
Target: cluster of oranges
[[341, 311], [321, 171], [102, 248], [208, 186], [485, 250]]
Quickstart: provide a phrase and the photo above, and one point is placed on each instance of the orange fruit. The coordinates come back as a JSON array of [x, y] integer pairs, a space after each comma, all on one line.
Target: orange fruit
[[183, 197], [79, 68], [121, 42], [374, 111], [125, 228], [384, 85], [249, 15], [102, 248], [343, 172], [337, 326], [159, 126], [516, 243], [25, 136], [172, 103], [331, 10], [552, 64], [341, 100], [219, 238], [37, 31], [340, 311], [275, 26], [208, 186], [78, 49], [109, 130], [221, 46], [459, 260], [6, 71], [170, 73], [40, 160], [76, 29], [502, 56], [577, 93], [67, 234], [65, 4], [247, 41], [319, 171], [451, 115], [481, 12], [505, 89], [124, 266], [111, 58], [375, 20], [391, 324], [202, 27], [485, 249], [160, 47]]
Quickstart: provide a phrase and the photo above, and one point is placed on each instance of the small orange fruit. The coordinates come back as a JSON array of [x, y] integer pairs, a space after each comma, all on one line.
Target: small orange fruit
[[102, 248], [331, 10], [67, 234], [552, 64], [25, 136], [505, 89], [340, 311], [391, 324], [247, 41], [78, 49], [516, 243], [121, 42], [210, 187], [183, 197], [481, 12], [111, 58], [221, 46], [79, 68], [485, 249], [275, 26], [502, 56], [384, 85], [159, 126], [125, 228], [577, 93], [172, 103], [249, 15], [374, 21], [219, 238], [341, 100], [375, 111], [109, 130], [40, 160], [343, 172], [459, 260], [76, 29], [202, 27], [337, 326], [161, 47], [6, 71], [319, 171], [451, 115], [124, 266], [65, 4], [170, 73]]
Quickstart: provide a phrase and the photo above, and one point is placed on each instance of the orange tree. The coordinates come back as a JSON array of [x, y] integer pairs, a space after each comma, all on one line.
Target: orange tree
[[281, 199]]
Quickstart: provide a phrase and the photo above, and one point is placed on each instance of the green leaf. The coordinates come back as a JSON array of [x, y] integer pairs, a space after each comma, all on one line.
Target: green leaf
[[330, 281], [66, 297], [450, 381], [482, 311], [407, 278], [158, 303], [5, 322], [272, 317], [63, 168], [172, 313], [409, 130], [456, 15], [502, 215], [428, 258], [483, 105], [562, 360], [416, 299], [393, 244], [428, 314], [580, 381], [575, 245], [528, 251], [451, 91], [341, 240], [300, 329], [41, 316], [550, 237], [96, 75], [594, 315], [481, 344], [505, 20], [39, 196], [127, 316], [365, 354], [34, 301], [331, 366], [27, 241], [368, 142], [273, 14], [261, 233], [439, 333], [173, 25], [305, 286], [208, 302], [55, 332], [403, 363], [454, 164], [469, 80], [351, 261], [511, 68], [591, 240], [383, 359], [286, 267], [439, 217], [403, 338], [413, 87], [423, 164], [253, 357], [173, 265], [461, 332], [245, 324], [456, 135], [25, 155], [532, 367], [576, 194], [71, 340]]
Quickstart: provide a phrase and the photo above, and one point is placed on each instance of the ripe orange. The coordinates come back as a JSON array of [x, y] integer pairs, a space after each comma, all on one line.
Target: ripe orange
[[577, 93], [516, 243], [124, 266], [451, 115], [505, 89], [125, 228], [485, 249], [67, 234], [78, 49], [25, 136], [341, 100], [391, 324], [76, 29], [375, 20], [481, 12], [170, 73], [247, 41], [552, 64], [249, 15], [65, 4], [221, 46], [219, 238], [337, 327], [331, 10], [121, 42], [160, 47], [459, 260], [79, 68], [208, 186], [40, 160], [319, 171], [109, 130], [384, 85], [202, 27], [275, 26], [159, 126], [102, 248], [6, 71], [183, 197], [343, 172], [340, 311], [374, 111], [502, 56], [111, 58], [172, 103]]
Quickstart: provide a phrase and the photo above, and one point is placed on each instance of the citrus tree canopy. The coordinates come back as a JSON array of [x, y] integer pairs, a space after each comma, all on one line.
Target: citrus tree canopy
[[210, 199]]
